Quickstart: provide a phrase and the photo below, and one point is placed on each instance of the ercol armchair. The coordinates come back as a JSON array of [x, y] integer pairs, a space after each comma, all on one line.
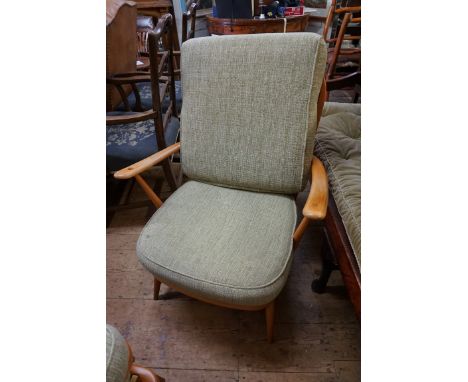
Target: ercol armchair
[[132, 136], [226, 236], [120, 366]]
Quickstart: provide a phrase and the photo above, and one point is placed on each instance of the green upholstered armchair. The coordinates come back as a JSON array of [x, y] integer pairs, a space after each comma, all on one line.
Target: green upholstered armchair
[[119, 361], [248, 121]]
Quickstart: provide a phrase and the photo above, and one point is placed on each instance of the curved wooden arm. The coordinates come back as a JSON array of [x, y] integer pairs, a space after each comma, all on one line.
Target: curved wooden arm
[[348, 9], [345, 81], [316, 205], [147, 163], [115, 80], [144, 374], [130, 118], [127, 74]]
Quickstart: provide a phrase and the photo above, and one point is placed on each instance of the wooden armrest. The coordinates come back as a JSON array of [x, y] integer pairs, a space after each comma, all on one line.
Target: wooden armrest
[[344, 81], [147, 163], [316, 205], [144, 374], [130, 118], [348, 9], [129, 79], [127, 74]]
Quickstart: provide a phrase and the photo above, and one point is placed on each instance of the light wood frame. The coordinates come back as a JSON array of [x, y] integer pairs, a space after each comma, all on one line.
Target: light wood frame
[[315, 208]]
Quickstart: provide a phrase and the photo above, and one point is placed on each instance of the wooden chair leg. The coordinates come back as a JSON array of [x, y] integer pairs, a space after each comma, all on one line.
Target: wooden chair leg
[[328, 265], [270, 319], [169, 174], [157, 286]]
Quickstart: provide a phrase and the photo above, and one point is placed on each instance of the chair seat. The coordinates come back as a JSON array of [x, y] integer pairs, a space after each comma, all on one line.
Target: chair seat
[[117, 356], [221, 244], [132, 142]]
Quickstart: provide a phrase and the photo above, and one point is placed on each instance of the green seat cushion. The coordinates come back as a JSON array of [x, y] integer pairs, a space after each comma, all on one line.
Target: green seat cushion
[[116, 356], [250, 109], [225, 245], [338, 145]]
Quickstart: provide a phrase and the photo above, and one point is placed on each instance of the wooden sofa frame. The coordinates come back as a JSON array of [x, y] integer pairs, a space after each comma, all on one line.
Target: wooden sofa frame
[[315, 208], [337, 253]]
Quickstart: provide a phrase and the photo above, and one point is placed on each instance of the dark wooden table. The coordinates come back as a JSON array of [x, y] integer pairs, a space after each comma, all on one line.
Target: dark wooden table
[[218, 26]]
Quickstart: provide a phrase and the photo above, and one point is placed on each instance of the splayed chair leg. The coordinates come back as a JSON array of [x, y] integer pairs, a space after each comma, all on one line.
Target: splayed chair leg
[[270, 318], [169, 174], [328, 265], [157, 286]]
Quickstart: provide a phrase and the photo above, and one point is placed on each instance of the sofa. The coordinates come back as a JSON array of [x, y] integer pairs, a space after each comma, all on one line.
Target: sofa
[[338, 145]]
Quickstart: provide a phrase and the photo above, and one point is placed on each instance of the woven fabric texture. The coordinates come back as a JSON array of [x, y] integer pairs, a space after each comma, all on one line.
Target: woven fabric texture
[[226, 245], [116, 356], [338, 107], [339, 147], [249, 113]]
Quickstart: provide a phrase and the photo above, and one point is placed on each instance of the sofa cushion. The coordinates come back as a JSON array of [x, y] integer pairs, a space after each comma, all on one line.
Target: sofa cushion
[[249, 113], [338, 107], [117, 356], [132, 142], [338, 145], [224, 245]]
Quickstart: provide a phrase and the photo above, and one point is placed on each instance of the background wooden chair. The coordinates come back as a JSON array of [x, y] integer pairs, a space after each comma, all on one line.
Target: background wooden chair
[[335, 15], [189, 19], [121, 50], [133, 135], [120, 366], [226, 236], [188, 32], [344, 50]]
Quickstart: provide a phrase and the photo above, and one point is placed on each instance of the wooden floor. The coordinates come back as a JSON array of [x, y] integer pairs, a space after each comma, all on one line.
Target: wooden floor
[[317, 337]]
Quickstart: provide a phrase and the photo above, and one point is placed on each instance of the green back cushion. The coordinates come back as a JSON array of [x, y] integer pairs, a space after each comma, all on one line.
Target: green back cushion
[[249, 111]]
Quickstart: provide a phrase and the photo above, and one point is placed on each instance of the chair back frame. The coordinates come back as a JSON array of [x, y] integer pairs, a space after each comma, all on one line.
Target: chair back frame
[[189, 16], [158, 64]]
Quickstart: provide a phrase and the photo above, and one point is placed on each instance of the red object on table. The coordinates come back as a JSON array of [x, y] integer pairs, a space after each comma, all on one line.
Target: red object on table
[[293, 11]]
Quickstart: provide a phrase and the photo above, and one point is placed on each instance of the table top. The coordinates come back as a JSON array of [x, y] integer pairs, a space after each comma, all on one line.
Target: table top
[[316, 13], [144, 4], [222, 26]]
